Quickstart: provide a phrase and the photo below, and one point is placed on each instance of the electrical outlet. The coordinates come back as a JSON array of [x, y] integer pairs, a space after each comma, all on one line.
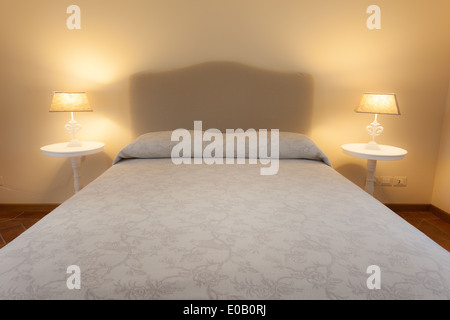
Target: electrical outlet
[[385, 180], [400, 181]]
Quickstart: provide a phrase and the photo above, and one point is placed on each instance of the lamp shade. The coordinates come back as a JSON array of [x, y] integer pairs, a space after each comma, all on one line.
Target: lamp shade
[[378, 103], [70, 102]]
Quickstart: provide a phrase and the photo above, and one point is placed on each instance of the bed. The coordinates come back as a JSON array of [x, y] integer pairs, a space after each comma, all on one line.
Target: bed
[[150, 229]]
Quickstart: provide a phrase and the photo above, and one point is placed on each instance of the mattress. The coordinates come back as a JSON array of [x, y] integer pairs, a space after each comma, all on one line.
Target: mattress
[[149, 229]]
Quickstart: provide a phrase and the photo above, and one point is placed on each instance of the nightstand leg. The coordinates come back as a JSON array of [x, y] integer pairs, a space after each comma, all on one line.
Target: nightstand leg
[[76, 163], [370, 180]]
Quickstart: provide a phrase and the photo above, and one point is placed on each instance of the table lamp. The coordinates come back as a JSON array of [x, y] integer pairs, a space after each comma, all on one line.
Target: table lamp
[[71, 102], [377, 103]]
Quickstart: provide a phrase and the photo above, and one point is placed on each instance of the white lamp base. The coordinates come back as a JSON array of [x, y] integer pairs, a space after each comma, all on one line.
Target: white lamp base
[[372, 145], [73, 127], [74, 143], [374, 129]]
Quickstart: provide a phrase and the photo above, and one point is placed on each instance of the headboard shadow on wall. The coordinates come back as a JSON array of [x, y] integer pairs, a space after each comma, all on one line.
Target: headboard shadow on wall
[[223, 95]]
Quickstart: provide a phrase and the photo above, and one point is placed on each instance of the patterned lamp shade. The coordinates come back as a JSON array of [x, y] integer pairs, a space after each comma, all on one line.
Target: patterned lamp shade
[[70, 102], [378, 104]]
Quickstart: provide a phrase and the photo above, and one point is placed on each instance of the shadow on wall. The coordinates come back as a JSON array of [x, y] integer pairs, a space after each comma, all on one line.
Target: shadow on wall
[[224, 95], [357, 174], [353, 172], [62, 182]]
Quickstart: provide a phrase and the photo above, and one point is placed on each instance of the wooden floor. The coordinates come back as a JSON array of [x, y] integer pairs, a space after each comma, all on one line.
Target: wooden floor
[[13, 222], [434, 227]]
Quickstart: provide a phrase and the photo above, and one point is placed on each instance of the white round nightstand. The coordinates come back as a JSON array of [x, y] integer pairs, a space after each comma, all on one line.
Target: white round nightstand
[[61, 150], [383, 152]]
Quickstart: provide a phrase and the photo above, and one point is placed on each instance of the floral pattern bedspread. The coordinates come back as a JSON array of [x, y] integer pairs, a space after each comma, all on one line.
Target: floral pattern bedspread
[[149, 229]]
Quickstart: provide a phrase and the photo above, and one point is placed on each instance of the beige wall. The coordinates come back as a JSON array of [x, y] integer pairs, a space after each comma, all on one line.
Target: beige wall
[[328, 39], [441, 191]]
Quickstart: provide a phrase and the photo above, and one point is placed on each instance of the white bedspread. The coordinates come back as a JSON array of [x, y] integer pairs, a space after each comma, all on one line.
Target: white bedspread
[[148, 229]]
